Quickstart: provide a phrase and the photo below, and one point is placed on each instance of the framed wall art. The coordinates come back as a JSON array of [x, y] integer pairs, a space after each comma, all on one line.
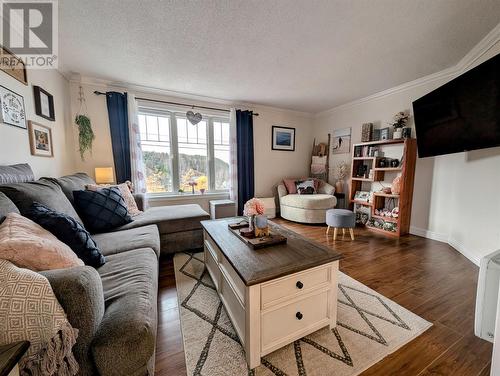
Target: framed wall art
[[44, 103], [12, 109], [341, 141], [283, 138], [40, 139], [12, 65]]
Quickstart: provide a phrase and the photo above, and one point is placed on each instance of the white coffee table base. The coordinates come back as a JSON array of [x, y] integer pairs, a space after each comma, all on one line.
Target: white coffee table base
[[272, 314]]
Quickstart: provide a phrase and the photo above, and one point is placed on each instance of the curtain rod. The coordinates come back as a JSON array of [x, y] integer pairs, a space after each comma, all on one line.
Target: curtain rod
[[176, 103]]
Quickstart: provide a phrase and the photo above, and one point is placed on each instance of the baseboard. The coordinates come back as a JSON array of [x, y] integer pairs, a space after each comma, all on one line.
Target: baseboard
[[448, 240], [464, 251], [429, 234]]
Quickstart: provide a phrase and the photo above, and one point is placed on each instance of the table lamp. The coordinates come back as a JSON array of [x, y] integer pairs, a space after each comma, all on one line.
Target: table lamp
[[104, 175]]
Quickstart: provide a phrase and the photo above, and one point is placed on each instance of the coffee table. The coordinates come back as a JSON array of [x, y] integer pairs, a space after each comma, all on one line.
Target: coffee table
[[273, 295]]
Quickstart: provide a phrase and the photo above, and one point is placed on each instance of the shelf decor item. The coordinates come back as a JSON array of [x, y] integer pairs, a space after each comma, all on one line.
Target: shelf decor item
[[407, 132], [399, 122], [384, 134], [366, 132], [13, 111], [40, 140], [44, 103], [283, 138]]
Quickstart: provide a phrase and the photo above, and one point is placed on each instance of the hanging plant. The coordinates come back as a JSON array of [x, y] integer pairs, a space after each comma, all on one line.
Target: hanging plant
[[85, 134]]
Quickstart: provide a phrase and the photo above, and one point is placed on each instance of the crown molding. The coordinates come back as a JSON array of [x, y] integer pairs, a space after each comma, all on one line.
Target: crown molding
[[198, 99], [467, 62]]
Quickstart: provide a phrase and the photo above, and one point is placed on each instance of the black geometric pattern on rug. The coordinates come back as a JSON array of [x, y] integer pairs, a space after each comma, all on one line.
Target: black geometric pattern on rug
[[378, 337], [344, 358]]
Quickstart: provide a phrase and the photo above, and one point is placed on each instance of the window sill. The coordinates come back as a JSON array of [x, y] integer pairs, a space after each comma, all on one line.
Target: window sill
[[186, 196]]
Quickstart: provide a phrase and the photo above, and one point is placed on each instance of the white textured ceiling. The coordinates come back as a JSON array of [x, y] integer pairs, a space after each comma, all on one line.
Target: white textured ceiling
[[308, 55]]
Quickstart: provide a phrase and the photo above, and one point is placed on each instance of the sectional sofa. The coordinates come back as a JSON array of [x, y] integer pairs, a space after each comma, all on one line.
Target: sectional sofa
[[114, 307]]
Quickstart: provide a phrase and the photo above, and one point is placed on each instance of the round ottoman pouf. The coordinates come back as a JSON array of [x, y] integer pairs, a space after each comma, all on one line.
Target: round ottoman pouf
[[340, 218]]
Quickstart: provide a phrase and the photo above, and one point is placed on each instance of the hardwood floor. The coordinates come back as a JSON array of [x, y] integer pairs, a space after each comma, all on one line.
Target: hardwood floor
[[427, 277]]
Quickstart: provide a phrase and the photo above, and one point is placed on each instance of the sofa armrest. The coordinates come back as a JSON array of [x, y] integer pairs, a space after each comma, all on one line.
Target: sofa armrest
[[282, 190], [141, 201], [327, 189], [79, 291]]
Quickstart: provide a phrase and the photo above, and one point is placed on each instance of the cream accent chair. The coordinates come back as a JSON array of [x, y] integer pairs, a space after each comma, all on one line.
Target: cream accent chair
[[307, 208]]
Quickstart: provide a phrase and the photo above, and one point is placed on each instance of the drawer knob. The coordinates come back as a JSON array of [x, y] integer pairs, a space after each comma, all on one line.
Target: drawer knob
[[299, 284], [299, 315]]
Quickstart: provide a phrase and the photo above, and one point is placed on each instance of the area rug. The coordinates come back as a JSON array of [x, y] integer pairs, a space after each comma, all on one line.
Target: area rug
[[369, 327]]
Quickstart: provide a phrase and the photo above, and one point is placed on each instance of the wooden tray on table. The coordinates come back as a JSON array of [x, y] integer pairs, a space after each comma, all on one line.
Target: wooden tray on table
[[254, 242]]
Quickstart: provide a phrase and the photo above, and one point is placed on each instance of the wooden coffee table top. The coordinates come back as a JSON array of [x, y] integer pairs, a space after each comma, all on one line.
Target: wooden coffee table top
[[260, 265]]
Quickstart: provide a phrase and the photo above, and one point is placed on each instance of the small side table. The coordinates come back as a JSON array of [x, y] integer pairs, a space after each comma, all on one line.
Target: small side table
[[340, 196], [222, 209], [9, 357]]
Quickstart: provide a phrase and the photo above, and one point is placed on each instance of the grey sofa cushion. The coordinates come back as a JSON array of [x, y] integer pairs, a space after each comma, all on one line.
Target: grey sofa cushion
[[18, 173], [75, 182], [6, 207], [111, 243], [44, 191], [126, 339], [170, 219], [79, 291]]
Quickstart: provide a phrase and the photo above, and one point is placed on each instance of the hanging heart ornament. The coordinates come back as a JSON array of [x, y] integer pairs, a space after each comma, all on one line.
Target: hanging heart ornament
[[193, 118]]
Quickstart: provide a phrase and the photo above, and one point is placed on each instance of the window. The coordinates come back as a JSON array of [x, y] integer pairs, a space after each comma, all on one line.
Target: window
[[178, 154]]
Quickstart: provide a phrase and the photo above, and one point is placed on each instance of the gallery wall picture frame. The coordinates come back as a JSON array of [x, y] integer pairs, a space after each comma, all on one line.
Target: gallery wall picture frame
[[13, 66], [44, 103], [341, 141], [12, 109], [40, 140], [282, 138]]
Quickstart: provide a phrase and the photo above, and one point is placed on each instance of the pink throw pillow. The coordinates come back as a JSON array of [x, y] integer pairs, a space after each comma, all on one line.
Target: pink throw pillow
[[28, 245], [290, 186], [129, 199]]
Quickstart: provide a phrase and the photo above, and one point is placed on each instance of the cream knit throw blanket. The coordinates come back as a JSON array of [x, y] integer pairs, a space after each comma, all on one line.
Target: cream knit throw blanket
[[30, 311]]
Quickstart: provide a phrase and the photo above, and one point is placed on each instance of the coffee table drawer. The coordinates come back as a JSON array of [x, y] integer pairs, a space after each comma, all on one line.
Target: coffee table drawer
[[291, 286], [281, 324]]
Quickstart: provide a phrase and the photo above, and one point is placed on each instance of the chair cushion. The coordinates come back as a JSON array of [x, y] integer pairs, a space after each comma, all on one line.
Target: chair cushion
[[111, 243], [69, 231], [28, 245], [75, 182], [6, 207], [341, 218], [44, 191], [126, 338], [169, 219], [19, 173], [102, 210], [318, 201]]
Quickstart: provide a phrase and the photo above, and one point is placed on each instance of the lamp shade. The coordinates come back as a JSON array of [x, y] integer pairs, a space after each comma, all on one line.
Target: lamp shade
[[104, 175]]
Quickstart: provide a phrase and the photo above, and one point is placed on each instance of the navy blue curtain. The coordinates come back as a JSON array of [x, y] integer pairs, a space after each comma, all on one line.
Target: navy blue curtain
[[244, 147], [118, 124]]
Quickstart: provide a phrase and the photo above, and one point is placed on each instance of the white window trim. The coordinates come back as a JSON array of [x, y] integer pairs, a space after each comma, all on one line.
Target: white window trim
[[174, 154]]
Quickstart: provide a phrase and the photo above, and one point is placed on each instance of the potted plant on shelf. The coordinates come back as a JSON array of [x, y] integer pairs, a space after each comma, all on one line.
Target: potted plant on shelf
[[341, 171], [400, 120]]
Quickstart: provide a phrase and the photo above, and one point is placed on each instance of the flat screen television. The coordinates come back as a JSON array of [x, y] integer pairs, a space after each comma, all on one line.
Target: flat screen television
[[461, 115]]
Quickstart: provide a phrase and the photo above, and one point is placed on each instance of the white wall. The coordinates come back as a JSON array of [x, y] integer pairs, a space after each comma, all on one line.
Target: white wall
[[270, 165], [14, 142], [455, 196]]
